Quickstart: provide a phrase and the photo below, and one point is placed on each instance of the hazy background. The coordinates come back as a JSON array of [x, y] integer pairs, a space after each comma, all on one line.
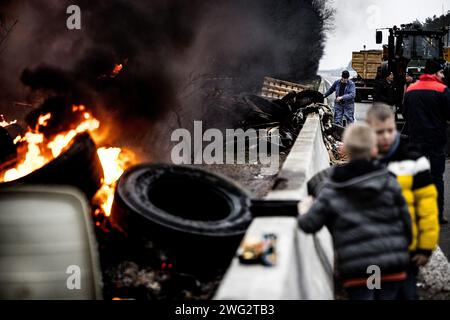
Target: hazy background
[[356, 21]]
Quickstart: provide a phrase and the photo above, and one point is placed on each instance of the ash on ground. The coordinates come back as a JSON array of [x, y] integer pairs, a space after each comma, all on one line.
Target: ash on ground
[[434, 278], [247, 175], [136, 269]]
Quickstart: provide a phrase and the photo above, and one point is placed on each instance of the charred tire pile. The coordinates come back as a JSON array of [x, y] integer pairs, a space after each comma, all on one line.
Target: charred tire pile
[[78, 166], [199, 216]]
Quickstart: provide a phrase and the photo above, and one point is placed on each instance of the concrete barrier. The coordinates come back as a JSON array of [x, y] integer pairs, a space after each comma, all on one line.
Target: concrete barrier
[[307, 156], [256, 282], [305, 262]]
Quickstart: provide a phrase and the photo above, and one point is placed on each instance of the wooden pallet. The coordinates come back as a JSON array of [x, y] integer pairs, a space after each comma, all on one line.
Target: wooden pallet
[[366, 63], [447, 54], [277, 89]]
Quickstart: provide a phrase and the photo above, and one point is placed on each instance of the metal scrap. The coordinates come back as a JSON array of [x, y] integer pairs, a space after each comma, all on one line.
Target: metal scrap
[[332, 133]]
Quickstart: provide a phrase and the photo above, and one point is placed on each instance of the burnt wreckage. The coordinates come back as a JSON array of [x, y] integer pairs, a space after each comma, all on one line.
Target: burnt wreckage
[[185, 245]]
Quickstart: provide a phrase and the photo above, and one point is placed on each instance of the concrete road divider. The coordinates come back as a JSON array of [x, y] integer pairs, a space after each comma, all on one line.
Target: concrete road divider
[[248, 282], [304, 268]]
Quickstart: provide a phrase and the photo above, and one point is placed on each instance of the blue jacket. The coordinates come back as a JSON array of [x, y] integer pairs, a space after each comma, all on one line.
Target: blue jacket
[[349, 93]]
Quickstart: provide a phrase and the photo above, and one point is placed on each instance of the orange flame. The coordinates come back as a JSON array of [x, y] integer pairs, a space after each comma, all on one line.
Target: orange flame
[[43, 120], [36, 144], [33, 159], [78, 108], [114, 162], [40, 151], [17, 139], [117, 69], [61, 141], [4, 123]]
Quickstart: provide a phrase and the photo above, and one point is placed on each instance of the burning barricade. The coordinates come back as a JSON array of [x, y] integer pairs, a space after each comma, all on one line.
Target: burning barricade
[[147, 227], [68, 157], [163, 231]]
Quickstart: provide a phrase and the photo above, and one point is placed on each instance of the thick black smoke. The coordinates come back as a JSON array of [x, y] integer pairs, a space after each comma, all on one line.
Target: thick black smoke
[[177, 54]]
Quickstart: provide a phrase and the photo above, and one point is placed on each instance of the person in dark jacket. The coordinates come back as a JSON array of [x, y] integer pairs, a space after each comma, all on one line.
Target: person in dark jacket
[[409, 80], [363, 207], [427, 107], [384, 89], [344, 106]]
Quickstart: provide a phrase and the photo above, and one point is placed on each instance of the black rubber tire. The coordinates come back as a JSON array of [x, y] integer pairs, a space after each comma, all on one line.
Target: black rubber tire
[[78, 166], [305, 98], [8, 150], [168, 204], [275, 110]]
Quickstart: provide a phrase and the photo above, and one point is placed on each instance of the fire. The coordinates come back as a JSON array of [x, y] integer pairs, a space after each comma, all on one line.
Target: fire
[[61, 141], [17, 139], [116, 70], [4, 123], [36, 155], [40, 151], [114, 162], [33, 159], [78, 108], [43, 120]]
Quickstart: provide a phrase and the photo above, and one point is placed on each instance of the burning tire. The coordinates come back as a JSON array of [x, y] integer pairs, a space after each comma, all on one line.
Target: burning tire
[[197, 214], [78, 166]]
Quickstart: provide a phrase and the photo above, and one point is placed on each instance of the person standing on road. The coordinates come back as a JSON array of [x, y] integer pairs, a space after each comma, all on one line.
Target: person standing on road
[[409, 80], [427, 107], [344, 106], [384, 90], [412, 170], [362, 206]]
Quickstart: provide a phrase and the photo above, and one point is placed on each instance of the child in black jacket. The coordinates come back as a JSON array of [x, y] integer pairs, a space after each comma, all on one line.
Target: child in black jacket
[[367, 216]]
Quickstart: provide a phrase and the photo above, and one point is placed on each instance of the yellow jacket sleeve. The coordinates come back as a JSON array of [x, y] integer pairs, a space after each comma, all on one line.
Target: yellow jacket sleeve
[[425, 200]]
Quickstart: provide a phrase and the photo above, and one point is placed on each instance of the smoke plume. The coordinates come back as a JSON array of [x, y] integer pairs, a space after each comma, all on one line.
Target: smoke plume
[[177, 56]]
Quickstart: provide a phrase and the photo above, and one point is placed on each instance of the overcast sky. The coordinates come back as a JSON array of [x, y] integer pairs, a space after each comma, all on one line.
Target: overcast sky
[[356, 21]]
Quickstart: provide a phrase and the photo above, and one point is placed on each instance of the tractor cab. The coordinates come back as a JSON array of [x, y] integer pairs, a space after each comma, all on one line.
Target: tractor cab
[[409, 47]]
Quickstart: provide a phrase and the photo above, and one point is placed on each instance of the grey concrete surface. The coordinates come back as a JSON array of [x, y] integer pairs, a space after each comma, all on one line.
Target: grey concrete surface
[[308, 156], [258, 282], [444, 240]]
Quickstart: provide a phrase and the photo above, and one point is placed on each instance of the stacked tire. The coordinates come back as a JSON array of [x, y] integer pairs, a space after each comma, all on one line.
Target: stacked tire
[[198, 216], [78, 166]]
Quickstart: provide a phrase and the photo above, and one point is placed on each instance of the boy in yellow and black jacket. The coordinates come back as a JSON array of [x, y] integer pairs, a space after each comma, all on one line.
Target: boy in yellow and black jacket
[[412, 170]]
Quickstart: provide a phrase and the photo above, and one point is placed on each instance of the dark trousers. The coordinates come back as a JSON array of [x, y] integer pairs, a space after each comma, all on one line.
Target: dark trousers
[[388, 291], [409, 291], [344, 112], [436, 155]]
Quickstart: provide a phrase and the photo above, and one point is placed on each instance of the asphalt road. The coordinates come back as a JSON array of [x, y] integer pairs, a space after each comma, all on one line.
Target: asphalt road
[[444, 241]]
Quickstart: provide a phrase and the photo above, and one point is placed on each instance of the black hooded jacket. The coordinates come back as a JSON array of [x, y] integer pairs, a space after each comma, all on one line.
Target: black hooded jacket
[[367, 216], [384, 91], [427, 106]]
